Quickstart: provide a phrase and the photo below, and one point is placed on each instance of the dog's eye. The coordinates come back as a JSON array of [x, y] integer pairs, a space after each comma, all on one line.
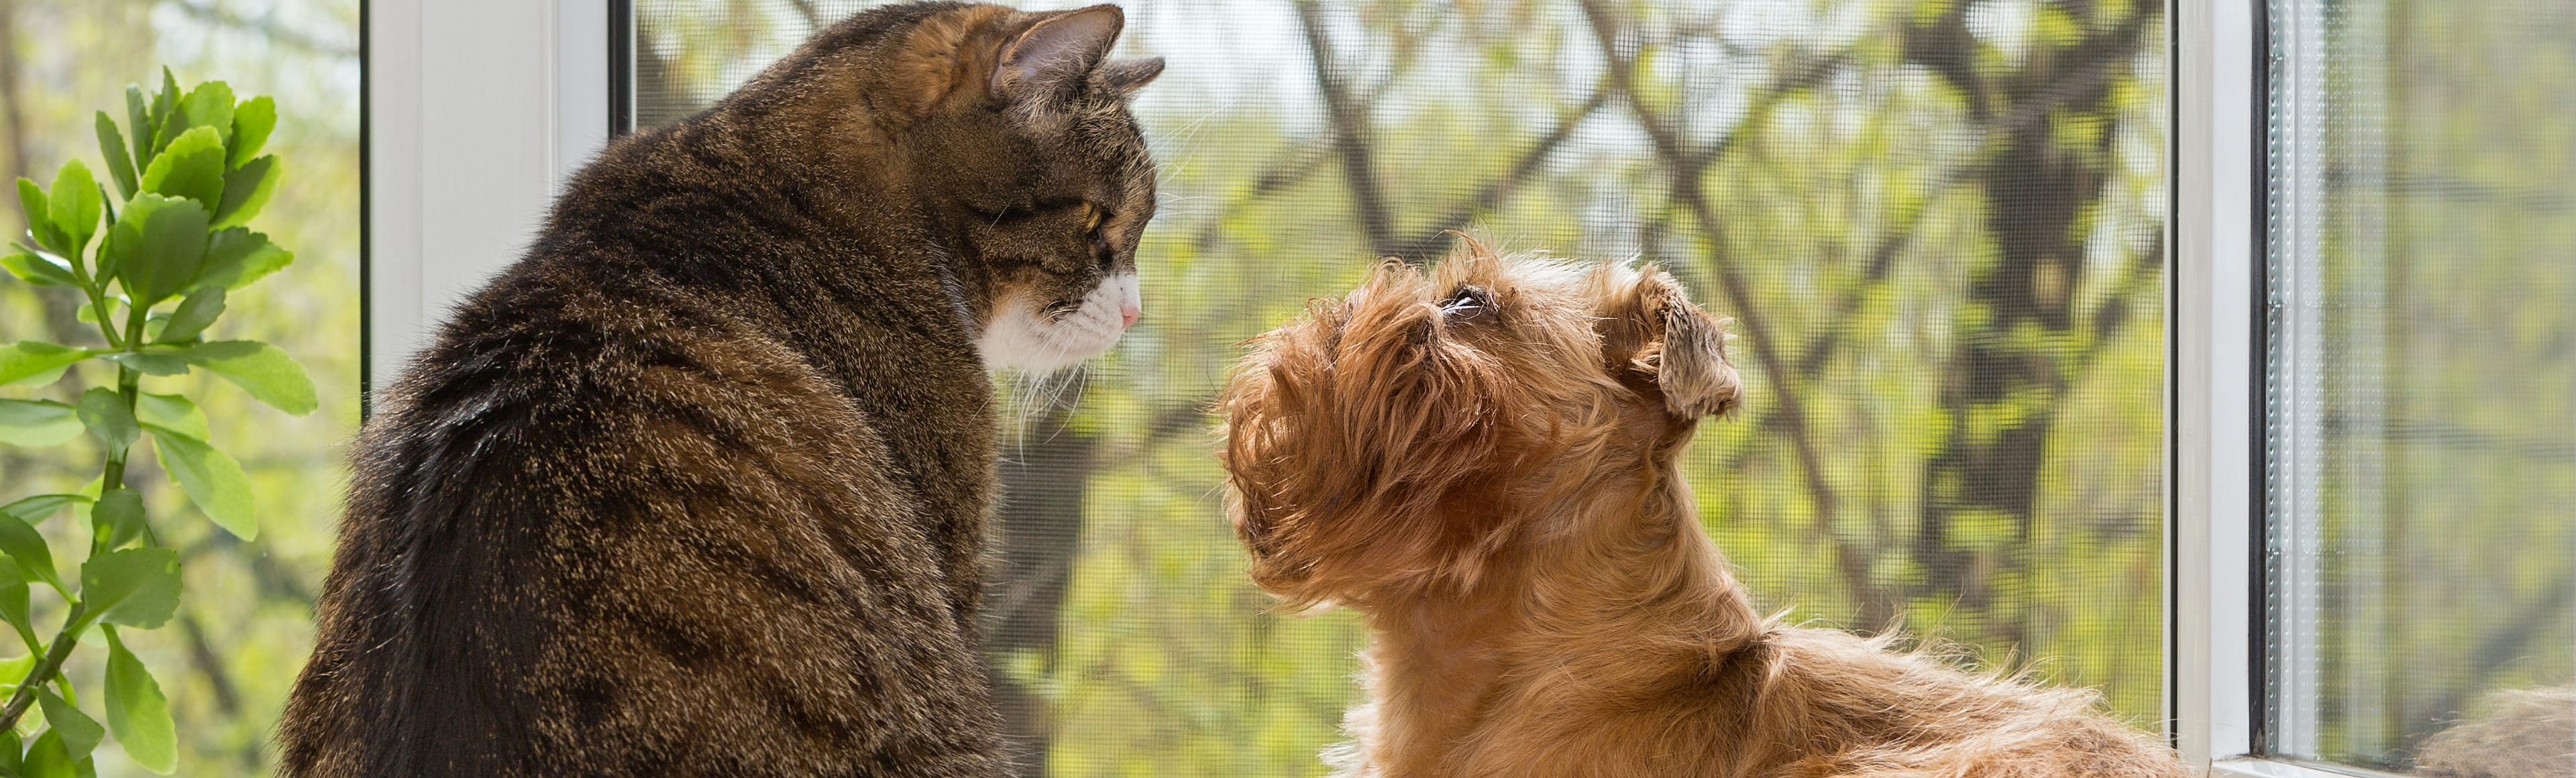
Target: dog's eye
[[1468, 303]]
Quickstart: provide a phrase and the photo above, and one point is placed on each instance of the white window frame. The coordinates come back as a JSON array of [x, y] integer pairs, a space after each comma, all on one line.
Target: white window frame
[[2220, 196], [476, 111]]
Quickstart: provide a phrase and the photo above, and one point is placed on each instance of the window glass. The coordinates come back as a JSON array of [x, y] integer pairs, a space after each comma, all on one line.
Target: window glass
[[1938, 226], [2422, 386]]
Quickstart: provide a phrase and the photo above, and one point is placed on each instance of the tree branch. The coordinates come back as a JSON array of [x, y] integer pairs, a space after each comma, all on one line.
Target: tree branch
[[1351, 139], [1686, 168]]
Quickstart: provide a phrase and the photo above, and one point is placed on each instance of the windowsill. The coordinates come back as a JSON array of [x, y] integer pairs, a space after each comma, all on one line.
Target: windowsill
[[2249, 767]]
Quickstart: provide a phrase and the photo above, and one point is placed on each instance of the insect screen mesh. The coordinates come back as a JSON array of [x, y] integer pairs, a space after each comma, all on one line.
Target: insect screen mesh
[[2422, 361], [1937, 225]]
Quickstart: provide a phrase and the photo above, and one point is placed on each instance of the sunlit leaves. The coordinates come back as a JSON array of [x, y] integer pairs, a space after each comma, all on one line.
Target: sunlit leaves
[[267, 373], [73, 207], [235, 257], [36, 361], [251, 122], [108, 418], [79, 732], [31, 201], [118, 516], [171, 412], [210, 107], [35, 510], [34, 268], [37, 423], [192, 167], [246, 190], [120, 162], [137, 712], [15, 601], [136, 587], [212, 479], [28, 549], [156, 247], [189, 173], [193, 315], [48, 758]]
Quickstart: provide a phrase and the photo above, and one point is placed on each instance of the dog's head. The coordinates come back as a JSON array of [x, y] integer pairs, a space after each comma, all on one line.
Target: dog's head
[[1395, 439]]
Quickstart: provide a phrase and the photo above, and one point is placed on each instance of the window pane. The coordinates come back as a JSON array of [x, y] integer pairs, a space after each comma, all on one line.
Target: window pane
[[1938, 228], [2422, 390]]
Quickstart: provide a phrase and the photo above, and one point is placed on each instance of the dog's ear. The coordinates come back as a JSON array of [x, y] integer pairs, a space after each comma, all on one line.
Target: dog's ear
[[1656, 340]]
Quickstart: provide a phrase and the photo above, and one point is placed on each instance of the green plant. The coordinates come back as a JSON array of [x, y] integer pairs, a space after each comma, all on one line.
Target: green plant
[[168, 250]]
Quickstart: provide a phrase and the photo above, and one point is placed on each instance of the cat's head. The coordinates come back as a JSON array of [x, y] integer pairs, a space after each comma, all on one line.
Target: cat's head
[[1021, 149]]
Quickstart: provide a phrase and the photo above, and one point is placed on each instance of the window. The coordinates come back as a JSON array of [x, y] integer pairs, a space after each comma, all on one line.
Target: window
[[2420, 387], [1940, 233]]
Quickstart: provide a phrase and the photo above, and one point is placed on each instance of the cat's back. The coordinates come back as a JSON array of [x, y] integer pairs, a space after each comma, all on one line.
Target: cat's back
[[612, 512]]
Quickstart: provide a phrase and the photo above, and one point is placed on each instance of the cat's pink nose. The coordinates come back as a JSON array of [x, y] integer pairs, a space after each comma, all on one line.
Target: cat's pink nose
[[1127, 313]]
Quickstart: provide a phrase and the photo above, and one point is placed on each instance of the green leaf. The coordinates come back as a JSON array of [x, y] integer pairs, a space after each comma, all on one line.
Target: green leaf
[[38, 269], [267, 373], [14, 600], [74, 207], [194, 314], [31, 201], [246, 190], [191, 167], [47, 758], [138, 117], [210, 105], [166, 121], [149, 362], [235, 257], [35, 510], [11, 749], [118, 516], [137, 712], [108, 419], [37, 423], [211, 478], [251, 123], [80, 733], [22, 543], [159, 245], [15, 669], [136, 587], [172, 411], [120, 160], [28, 359]]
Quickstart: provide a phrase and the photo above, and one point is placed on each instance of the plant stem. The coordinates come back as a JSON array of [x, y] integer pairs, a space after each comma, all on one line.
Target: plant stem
[[46, 668], [129, 389]]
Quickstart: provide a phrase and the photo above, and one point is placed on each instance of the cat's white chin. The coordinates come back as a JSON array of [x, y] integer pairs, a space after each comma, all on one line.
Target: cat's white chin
[[1021, 336]]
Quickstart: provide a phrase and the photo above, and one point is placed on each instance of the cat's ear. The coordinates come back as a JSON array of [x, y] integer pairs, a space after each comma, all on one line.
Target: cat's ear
[[1058, 52], [1122, 76]]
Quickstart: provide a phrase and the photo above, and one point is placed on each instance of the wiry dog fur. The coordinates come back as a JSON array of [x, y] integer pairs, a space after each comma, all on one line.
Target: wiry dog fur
[[1482, 460]]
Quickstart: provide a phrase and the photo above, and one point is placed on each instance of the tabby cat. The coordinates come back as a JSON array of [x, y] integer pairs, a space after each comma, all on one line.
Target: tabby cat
[[695, 487]]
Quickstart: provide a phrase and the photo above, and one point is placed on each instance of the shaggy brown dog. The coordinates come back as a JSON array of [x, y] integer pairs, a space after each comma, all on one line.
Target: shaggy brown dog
[[1483, 463]]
